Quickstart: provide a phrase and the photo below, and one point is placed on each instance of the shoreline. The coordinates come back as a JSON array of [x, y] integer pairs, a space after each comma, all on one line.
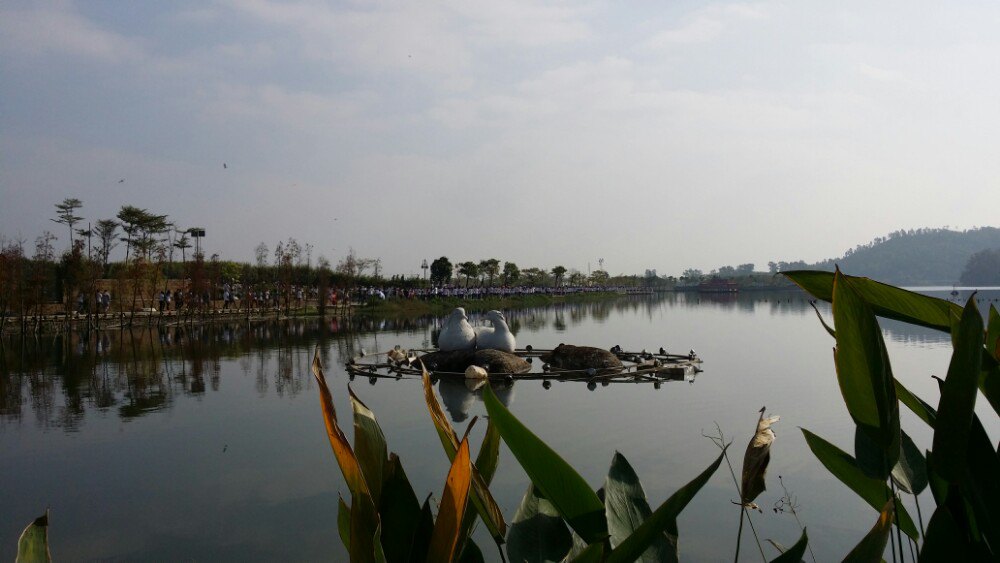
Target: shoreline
[[62, 322]]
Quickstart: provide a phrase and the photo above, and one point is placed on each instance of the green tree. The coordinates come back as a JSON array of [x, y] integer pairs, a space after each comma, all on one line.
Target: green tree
[[557, 273], [87, 233], [469, 270], [441, 270], [599, 277], [511, 273], [107, 233], [983, 268], [692, 275], [489, 268], [182, 243], [66, 215], [533, 276]]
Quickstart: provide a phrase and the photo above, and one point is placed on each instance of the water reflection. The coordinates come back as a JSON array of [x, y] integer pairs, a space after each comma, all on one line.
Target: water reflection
[[458, 396], [132, 373]]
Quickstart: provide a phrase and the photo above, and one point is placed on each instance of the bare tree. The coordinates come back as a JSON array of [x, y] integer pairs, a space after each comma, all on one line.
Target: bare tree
[[260, 254], [44, 251]]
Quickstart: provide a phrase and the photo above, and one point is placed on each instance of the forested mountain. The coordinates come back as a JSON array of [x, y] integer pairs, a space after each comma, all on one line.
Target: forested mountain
[[913, 257]]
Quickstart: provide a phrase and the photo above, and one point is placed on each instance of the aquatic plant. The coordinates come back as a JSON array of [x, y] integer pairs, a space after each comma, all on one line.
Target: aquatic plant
[[562, 518], [384, 521], [962, 466], [33, 545]]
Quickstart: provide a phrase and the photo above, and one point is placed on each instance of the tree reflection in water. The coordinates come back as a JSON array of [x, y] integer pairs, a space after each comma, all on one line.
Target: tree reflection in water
[[57, 379]]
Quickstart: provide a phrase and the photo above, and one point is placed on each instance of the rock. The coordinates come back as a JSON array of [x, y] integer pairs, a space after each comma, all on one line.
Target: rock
[[569, 357], [475, 372], [457, 361]]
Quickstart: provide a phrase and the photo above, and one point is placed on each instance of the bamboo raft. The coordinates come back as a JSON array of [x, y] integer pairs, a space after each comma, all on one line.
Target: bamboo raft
[[636, 367]]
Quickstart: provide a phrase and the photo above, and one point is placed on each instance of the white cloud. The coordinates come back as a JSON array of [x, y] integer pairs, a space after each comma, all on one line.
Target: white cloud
[[275, 105], [706, 24], [879, 74], [438, 40], [47, 28]]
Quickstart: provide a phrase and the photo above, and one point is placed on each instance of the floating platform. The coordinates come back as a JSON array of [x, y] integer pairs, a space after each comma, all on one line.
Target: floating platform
[[635, 366]]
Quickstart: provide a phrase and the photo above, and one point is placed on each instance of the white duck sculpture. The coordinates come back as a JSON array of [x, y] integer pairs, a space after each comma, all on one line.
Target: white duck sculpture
[[498, 337], [457, 333]]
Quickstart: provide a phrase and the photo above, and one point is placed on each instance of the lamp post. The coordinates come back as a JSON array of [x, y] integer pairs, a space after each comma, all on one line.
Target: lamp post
[[197, 233]]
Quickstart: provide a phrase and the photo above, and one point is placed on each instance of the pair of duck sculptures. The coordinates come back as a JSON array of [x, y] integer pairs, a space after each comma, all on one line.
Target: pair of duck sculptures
[[458, 334], [492, 349]]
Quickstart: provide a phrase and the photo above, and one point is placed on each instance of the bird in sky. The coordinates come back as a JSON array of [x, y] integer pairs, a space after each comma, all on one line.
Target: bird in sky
[[122, 181], [224, 165]]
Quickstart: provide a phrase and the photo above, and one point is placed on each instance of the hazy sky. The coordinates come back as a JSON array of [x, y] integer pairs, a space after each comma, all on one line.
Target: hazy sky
[[656, 134]]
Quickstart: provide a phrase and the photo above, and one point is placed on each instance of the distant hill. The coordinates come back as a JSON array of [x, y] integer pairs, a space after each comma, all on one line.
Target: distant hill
[[914, 257]]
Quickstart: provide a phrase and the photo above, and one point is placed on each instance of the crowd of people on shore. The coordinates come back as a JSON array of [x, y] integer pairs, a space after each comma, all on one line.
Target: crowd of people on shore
[[236, 296], [459, 292]]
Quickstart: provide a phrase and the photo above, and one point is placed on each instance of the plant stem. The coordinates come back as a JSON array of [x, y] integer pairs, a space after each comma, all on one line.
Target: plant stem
[[916, 499], [739, 536], [899, 534], [719, 441]]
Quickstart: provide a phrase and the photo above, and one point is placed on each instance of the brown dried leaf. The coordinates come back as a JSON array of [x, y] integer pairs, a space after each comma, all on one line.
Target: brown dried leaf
[[756, 459]]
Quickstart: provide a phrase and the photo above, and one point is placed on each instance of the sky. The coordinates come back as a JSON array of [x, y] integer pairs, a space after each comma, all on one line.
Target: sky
[[654, 135]]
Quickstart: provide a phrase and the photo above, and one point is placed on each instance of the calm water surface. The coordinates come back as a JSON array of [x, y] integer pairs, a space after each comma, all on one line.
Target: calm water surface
[[208, 442]]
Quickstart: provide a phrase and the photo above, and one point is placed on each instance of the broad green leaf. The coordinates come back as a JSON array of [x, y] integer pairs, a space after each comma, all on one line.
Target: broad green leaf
[[379, 552], [364, 518], [989, 383], [486, 465], [989, 379], [537, 532], [845, 468], [958, 396], [579, 546], [626, 509], [982, 486], [489, 453], [556, 479], [593, 554], [33, 545], [945, 539], [924, 411], [863, 370], [910, 472], [794, 554], [344, 522], [993, 333], [663, 518], [870, 457], [486, 506], [422, 537], [471, 553], [399, 512], [369, 445], [885, 300], [872, 546], [447, 527], [939, 487], [364, 543]]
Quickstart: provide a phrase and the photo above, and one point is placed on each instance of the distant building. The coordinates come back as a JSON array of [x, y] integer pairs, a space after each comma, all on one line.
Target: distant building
[[718, 285]]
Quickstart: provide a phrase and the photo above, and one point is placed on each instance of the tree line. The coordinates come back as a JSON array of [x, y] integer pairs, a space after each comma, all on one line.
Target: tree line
[[488, 273]]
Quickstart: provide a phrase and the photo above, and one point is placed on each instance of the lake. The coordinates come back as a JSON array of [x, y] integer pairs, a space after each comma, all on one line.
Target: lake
[[208, 442]]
